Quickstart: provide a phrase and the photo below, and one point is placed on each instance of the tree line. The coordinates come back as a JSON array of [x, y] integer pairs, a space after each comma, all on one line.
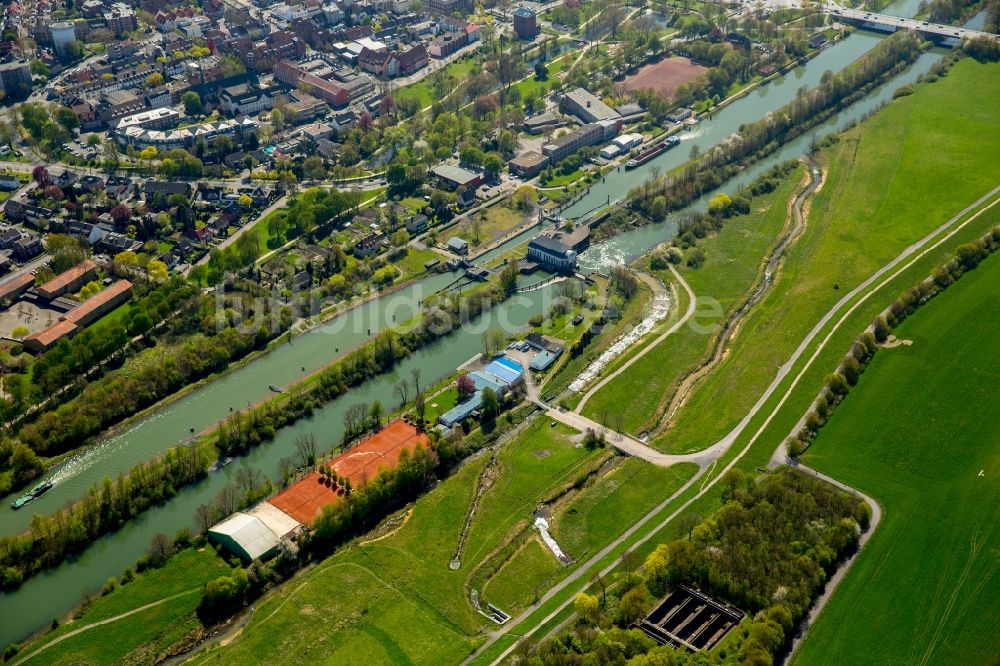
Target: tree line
[[249, 428], [838, 384], [51, 539], [768, 551]]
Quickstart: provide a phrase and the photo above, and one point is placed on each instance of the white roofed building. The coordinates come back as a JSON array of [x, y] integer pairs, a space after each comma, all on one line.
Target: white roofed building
[[246, 536]]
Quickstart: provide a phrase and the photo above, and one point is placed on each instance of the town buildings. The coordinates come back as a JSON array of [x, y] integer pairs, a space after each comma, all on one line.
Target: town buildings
[[525, 23], [15, 78]]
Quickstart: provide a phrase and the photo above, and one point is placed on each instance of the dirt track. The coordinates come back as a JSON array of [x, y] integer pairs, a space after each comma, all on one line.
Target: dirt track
[[665, 76]]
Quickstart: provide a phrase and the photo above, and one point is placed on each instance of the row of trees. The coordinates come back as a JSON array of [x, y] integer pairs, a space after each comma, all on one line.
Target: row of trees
[[848, 372], [140, 383], [251, 427], [836, 91]]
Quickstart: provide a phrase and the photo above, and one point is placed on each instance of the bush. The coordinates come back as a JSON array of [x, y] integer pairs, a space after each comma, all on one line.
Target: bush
[[696, 258], [109, 587]]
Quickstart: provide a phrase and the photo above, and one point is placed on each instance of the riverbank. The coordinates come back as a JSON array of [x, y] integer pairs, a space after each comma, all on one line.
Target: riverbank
[[136, 538]]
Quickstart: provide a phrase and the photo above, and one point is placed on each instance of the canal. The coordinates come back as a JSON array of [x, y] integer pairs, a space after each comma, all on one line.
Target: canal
[[53, 593]]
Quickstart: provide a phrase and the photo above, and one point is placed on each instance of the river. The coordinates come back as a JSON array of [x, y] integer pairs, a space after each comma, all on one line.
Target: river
[[53, 593]]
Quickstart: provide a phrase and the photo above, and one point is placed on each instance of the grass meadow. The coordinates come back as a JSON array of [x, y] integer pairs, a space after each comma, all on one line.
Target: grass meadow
[[916, 434], [145, 636], [884, 191], [732, 265]]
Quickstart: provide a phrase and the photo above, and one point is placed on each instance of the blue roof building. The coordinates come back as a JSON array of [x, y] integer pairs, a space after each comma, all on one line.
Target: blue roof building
[[504, 373], [484, 381], [542, 360], [461, 411], [510, 363]]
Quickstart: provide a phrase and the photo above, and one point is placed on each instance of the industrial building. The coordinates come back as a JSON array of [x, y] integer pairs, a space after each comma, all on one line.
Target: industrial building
[[587, 107], [528, 164], [567, 144], [454, 177], [554, 255]]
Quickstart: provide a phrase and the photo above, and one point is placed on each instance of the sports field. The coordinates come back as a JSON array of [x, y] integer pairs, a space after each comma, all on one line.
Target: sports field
[[395, 599], [304, 499], [919, 435], [665, 76]]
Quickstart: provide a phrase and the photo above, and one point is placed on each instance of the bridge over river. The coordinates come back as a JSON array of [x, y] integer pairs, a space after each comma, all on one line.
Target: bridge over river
[[889, 23]]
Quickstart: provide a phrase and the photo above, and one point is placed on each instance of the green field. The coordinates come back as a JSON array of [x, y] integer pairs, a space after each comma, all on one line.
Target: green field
[[885, 164], [917, 435], [423, 90], [732, 265], [605, 508], [145, 636], [493, 223], [394, 599]]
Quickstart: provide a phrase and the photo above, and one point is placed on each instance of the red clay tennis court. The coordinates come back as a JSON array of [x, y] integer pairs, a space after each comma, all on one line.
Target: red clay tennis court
[[304, 499]]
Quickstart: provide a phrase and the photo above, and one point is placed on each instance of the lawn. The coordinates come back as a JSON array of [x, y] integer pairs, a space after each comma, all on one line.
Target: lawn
[[413, 263], [524, 578], [145, 636], [601, 511], [423, 90], [885, 163], [732, 266], [543, 458], [914, 435], [490, 225], [562, 179]]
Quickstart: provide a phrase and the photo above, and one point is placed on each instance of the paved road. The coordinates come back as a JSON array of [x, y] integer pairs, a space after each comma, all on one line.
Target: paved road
[[723, 445], [905, 23], [279, 203], [838, 576]]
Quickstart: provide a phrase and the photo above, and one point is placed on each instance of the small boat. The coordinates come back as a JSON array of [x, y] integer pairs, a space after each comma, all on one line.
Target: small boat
[[219, 464], [41, 489], [276, 389], [34, 493]]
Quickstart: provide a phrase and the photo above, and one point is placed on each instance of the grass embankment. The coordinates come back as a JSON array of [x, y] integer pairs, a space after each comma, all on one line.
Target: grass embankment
[[146, 636], [732, 267], [936, 188], [395, 599], [913, 165], [914, 435]]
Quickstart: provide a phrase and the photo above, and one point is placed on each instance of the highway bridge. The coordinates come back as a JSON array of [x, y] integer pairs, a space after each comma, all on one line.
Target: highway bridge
[[887, 23]]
